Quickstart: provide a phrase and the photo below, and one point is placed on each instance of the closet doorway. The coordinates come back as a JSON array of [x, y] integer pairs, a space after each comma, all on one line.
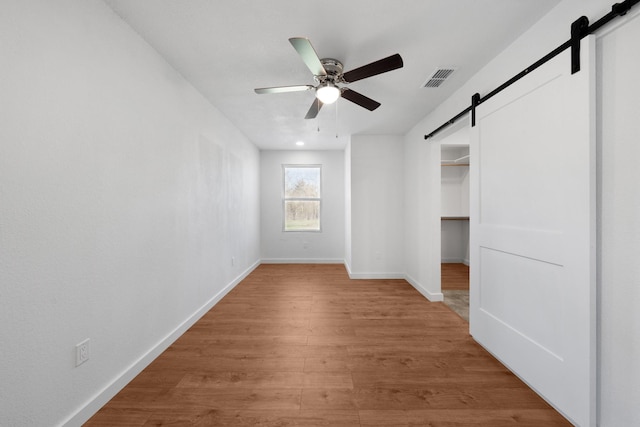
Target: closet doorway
[[454, 221]]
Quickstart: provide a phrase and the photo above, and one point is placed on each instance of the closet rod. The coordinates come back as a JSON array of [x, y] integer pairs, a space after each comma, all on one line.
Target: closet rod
[[579, 30]]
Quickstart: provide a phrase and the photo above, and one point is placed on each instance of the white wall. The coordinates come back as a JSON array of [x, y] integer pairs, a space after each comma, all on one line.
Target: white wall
[[454, 194], [377, 184], [455, 191], [348, 258], [123, 197], [422, 214], [619, 212], [619, 224], [325, 246], [454, 241]]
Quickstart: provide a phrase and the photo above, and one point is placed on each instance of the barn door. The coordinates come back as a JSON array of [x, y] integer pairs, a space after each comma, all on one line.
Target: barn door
[[533, 231]]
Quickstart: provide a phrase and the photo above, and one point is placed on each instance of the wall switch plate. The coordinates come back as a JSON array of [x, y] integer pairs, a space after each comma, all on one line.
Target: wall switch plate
[[82, 352]]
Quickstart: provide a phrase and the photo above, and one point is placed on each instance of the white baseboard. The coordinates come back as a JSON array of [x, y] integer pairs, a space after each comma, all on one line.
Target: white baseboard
[[101, 398], [452, 260], [347, 267], [431, 296], [302, 261], [464, 261], [364, 276]]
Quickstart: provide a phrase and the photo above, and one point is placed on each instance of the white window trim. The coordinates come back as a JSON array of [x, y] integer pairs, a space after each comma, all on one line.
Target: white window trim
[[303, 199]]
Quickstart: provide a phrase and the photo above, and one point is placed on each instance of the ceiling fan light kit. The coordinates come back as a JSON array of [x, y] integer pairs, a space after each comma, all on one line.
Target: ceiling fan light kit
[[328, 74], [328, 93]]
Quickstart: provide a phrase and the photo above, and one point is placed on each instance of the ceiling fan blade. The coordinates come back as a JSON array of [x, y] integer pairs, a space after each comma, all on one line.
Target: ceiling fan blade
[[283, 89], [360, 99], [378, 67], [308, 55], [315, 108]]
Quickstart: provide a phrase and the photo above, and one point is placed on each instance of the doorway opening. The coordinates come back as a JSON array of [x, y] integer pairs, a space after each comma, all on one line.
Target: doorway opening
[[454, 222]]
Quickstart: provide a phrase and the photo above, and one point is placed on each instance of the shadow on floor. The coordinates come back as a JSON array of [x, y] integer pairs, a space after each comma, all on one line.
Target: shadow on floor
[[458, 301]]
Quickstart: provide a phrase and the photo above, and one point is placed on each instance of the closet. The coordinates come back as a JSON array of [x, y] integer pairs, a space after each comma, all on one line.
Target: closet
[[454, 204]]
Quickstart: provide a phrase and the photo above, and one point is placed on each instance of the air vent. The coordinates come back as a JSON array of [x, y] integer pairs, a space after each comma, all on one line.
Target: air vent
[[438, 77]]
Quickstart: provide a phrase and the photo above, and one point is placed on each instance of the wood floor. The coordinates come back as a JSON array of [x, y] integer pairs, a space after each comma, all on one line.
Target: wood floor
[[302, 345], [454, 276]]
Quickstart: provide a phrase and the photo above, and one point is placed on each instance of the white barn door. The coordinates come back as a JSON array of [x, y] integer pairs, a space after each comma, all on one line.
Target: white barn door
[[533, 231]]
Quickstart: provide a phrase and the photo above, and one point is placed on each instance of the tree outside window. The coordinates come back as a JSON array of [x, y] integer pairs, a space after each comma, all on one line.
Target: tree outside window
[[301, 201]]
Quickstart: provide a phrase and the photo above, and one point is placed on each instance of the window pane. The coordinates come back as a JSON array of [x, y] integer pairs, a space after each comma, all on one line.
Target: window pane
[[302, 215], [302, 182]]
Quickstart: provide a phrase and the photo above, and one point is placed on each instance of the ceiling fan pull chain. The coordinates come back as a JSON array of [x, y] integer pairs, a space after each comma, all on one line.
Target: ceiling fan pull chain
[[336, 120]]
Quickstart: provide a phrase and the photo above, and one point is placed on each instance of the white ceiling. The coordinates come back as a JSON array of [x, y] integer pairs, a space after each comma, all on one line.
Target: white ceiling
[[226, 48]]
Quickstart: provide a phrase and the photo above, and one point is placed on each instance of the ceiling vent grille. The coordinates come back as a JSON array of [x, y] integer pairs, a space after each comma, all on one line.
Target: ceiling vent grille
[[438, 77]]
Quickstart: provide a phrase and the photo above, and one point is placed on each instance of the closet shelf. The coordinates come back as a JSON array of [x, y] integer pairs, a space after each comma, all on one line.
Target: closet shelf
[[456, 162], [454, 218]]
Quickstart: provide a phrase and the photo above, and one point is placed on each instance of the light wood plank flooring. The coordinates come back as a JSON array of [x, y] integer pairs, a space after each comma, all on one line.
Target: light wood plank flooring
[[454, 277], [303, 345]]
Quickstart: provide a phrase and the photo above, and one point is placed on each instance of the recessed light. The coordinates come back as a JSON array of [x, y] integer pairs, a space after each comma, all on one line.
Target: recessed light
[[300, 143]]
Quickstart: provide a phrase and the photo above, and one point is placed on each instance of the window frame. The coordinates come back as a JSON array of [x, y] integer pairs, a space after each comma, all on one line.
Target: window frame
[[286, 199]]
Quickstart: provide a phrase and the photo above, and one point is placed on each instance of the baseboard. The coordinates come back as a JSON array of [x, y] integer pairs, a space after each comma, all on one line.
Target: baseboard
[[452, 261], [375, 276], [302, 261], [464, 261], [431, 296], [102, 397], [347, 267]]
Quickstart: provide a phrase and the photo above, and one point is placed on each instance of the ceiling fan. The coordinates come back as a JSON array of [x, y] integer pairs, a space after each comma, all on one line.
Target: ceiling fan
[[328, 74]]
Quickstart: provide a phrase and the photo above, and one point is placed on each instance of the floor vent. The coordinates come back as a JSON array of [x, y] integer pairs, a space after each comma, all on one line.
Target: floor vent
[[438, 77]]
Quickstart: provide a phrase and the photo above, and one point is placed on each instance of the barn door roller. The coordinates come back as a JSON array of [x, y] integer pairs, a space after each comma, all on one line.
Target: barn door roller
[[579, 30]]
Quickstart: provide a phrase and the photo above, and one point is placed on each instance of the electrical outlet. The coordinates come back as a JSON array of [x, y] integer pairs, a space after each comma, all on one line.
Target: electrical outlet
[[233, 261], [82, 352]]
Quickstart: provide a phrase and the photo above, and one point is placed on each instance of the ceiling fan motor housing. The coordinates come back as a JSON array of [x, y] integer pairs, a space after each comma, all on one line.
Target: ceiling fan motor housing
[[334, 69]]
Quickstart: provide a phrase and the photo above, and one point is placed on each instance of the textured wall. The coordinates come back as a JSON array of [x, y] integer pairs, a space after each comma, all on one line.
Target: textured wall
[[123, 197], [324, 246], [377, 227]]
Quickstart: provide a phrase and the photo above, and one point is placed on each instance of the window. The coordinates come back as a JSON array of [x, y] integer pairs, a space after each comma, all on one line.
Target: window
[[301, 197]]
